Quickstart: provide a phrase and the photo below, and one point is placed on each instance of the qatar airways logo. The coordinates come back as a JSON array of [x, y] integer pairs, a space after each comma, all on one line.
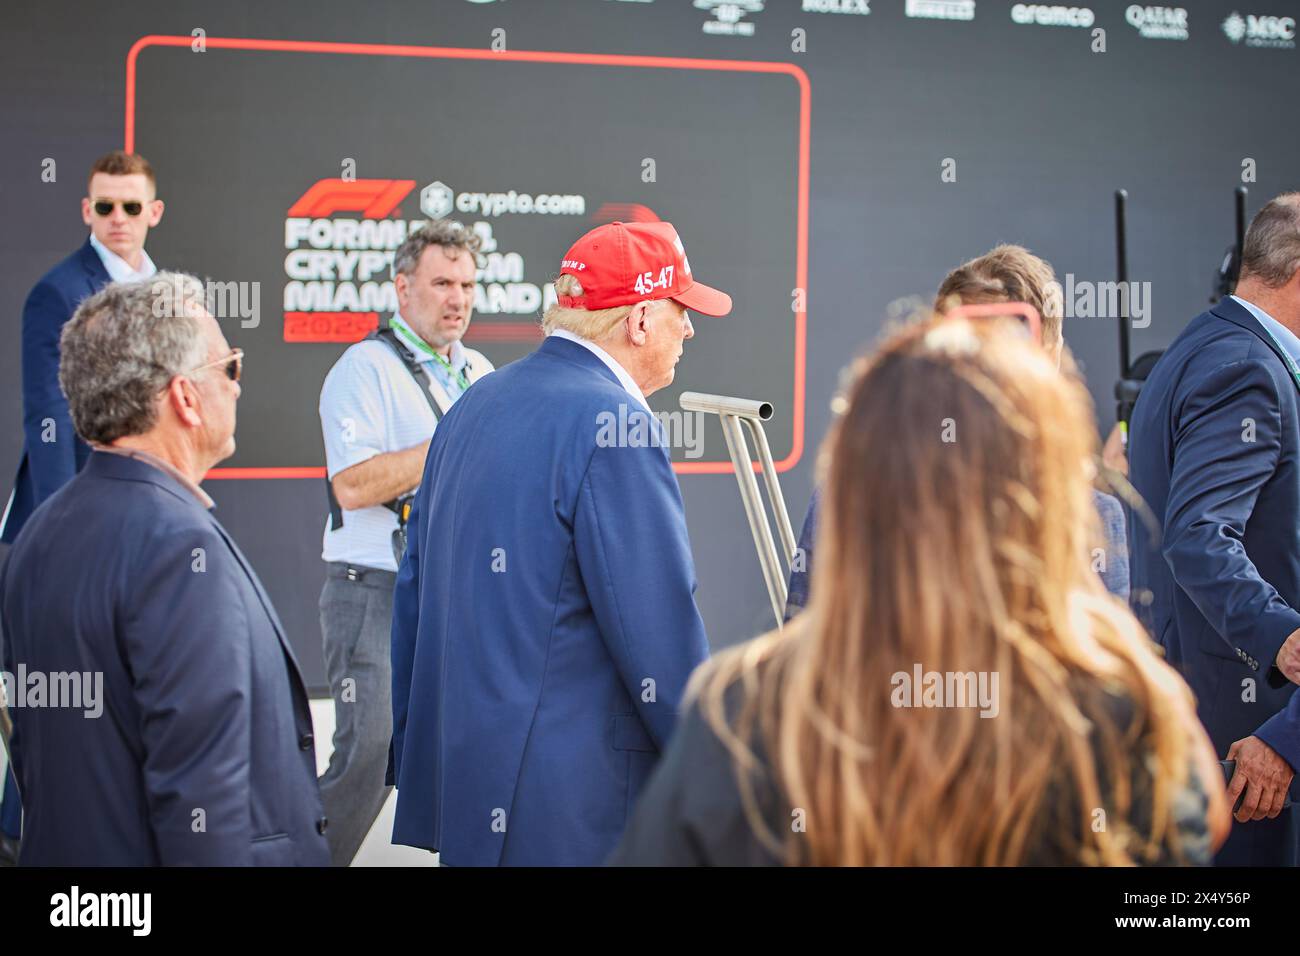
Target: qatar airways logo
[[1158, 23]]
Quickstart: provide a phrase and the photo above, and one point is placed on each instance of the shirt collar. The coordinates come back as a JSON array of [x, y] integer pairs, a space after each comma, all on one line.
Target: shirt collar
[[624, 379], [1285, 337], [117, 268], [417, 346], [203, 497]]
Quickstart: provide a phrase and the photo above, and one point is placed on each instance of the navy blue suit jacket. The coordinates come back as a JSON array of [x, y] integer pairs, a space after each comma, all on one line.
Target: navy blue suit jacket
[[203, 753], [544, 622], [52, 453], [1214, 449]]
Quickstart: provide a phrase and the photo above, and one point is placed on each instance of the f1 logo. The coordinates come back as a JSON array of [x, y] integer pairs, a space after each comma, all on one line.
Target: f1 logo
[[373, 198]]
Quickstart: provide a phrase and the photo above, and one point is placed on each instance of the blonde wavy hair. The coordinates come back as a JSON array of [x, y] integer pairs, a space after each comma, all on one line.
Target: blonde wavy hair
[[970, 554]]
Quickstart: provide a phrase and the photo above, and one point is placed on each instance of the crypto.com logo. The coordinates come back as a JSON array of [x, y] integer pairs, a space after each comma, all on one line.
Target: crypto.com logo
[[437, 199]]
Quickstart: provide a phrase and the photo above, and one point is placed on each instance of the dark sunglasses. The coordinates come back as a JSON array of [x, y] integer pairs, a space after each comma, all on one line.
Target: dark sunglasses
[[104, 207], [233, 365]]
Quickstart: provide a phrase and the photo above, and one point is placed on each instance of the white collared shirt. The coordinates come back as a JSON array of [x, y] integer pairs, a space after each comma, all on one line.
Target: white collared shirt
[[371, 405], [624, 379], [1285, 337], [456, 358], [118, 269]]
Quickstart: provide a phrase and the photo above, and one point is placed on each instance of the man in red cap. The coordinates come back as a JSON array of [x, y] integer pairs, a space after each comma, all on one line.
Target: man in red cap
[[544, 622]]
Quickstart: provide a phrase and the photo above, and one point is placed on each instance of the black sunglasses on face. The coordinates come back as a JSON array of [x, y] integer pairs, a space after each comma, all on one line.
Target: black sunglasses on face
[[104, 207]]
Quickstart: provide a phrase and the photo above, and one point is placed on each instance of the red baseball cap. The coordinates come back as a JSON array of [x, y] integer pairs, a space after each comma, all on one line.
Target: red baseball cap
[[622, 263]]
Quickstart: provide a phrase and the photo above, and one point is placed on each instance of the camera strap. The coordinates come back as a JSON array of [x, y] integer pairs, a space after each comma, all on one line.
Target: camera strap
[[400, 506]]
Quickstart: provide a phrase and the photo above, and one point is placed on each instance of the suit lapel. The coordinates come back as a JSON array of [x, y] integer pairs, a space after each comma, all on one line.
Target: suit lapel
[[96, 275], [121, 466], [1233, 311], [263, 597]]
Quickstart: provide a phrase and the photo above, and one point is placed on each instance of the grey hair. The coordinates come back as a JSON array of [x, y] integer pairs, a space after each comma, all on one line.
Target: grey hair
[[584, 323], [121, 348], [448, 233], [1271, 249]]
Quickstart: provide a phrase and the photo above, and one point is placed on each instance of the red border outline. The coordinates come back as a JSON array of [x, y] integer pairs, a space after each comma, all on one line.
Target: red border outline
[[536, 56]]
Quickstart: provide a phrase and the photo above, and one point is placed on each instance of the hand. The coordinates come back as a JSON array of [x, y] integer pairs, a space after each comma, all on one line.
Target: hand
[[1113, 454], [1264, 776], [1288, 657]]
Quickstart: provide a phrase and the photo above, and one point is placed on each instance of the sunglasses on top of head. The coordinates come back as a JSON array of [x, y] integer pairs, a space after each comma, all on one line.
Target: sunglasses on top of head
[[104, 207], [1028, 319]]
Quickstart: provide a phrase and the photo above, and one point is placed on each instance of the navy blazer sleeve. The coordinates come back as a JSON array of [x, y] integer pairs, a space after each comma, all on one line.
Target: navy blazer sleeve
[[1282, 732], [406, 621], [629, 534], [801, 565], [188, 642], [1227, 444], [52, 463]]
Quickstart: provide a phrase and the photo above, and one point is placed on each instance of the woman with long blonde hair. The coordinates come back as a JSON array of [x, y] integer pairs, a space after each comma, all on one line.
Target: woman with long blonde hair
[[960, 690]]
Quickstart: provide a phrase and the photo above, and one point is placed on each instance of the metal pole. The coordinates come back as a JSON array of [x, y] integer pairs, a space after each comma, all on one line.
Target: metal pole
[[767, 554], [782, 517]]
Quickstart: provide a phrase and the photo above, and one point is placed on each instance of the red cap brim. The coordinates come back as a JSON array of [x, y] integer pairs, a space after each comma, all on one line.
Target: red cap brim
[[704, 299]]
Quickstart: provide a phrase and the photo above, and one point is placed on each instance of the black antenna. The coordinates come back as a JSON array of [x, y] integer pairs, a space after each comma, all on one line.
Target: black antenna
[[1240, 197], [1121, 273], [1225, 280], [1131, 373]]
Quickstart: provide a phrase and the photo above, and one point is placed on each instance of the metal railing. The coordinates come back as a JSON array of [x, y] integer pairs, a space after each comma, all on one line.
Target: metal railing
[[732, 412]]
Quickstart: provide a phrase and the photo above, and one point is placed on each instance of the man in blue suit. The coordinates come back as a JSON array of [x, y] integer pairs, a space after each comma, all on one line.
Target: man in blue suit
[[120, 207], [544, 622], [1215, 452], [180, 732]]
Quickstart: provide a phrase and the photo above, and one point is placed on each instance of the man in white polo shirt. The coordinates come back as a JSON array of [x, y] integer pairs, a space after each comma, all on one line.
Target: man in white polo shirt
[[379, 407]]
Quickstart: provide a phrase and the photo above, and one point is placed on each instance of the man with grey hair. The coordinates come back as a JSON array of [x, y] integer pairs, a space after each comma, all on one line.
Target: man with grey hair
[[379, 407], [204, 755], [1215, 452]]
